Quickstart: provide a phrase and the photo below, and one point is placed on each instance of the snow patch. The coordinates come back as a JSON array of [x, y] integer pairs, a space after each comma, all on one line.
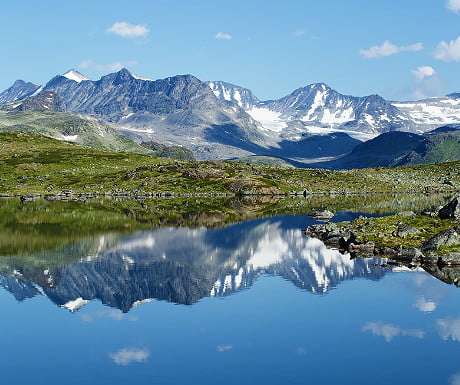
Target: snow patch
[[141, 78], [75, 75], [269, 119], [69, 138]]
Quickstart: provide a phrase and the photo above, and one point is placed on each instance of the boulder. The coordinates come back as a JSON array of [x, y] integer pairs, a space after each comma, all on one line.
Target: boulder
[[444, 238], [322, 215], [451, 210], [432, 211], [403, 230]]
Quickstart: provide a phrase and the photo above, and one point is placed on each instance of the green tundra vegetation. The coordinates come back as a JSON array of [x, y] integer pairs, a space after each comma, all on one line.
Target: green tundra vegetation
[[32, 163]]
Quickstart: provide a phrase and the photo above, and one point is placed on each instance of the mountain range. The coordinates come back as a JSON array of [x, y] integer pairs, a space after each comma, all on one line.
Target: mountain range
[[218, 120]]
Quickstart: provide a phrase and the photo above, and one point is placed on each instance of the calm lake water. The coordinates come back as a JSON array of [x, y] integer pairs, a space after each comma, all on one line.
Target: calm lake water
[[251, 303]]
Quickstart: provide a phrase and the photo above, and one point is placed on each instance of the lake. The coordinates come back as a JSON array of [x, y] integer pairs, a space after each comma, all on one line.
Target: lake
[[250, 302]]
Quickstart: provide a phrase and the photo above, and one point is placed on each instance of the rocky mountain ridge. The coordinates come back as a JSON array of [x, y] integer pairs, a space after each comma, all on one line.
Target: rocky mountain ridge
[[218, 120], [318, 108]]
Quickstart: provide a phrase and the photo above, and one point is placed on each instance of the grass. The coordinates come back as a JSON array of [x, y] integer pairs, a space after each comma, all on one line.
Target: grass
[[35, 164]]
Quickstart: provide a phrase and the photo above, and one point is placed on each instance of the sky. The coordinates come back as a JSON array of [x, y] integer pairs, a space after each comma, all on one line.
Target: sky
[[400, 49]]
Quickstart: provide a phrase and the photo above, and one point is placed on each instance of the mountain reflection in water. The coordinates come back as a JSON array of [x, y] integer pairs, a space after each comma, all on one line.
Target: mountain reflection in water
[[183, 265]]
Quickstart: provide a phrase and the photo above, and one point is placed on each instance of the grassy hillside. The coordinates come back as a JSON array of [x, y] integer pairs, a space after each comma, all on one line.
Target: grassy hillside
[[438, 146], [59, 125], [35, 164]]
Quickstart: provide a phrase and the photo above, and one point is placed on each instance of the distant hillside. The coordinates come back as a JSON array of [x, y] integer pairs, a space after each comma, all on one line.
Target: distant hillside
[[41, 114], [71, 128], [440, 145], [401, 149]]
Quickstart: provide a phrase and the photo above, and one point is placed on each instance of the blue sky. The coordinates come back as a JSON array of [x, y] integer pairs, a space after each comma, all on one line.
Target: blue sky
[[399, 49]]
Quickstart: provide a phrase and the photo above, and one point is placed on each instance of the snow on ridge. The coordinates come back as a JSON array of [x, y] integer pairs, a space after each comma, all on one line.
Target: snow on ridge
[[75, 75], [438, 111], [141, 78]]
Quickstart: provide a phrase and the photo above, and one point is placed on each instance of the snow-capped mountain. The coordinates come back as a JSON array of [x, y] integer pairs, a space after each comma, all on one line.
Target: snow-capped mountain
[[75, 75], [218, 120], [433, 112], [180, 110], [318, 108], [239, 95]]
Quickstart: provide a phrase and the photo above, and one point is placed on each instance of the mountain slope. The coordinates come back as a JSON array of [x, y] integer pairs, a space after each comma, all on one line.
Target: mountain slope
[[19, 90], [401, 149], [380, 151], [316, 107], [180, 110], [440, 145]]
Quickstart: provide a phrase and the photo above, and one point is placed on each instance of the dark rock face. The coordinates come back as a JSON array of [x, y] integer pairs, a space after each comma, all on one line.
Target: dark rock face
[[44, 101], [451, 210]]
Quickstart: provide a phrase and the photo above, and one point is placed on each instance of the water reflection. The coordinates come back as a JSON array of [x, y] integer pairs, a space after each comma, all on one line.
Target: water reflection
[[183, 265]]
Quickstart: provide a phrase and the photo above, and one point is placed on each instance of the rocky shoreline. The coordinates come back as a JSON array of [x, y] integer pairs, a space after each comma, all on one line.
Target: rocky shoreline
[[409, 244]]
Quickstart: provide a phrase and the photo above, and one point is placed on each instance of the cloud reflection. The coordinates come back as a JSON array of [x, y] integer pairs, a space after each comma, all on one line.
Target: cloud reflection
[[449, 328], [455, 379], [390, 331], [224, 348], [128, 356], [425, 305], [114, 314]]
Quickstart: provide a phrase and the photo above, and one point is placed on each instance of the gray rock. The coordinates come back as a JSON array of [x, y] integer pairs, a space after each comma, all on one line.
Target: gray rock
[[322, 215], [444, 238], [403, 230], [432, 211]]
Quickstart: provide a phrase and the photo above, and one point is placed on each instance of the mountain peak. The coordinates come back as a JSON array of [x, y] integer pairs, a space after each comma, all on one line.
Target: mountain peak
[[75, 75], [321, 86]]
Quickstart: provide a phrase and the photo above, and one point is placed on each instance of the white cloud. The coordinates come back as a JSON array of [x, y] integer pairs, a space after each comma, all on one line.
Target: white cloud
[[426, 84], [125, 29], [453, 5], [423, 72], [448, 51], [299, 32], [449, 328], [390, 331], [388, 49], [127, 356], [223, 36], [224, 348], [111, 67]]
